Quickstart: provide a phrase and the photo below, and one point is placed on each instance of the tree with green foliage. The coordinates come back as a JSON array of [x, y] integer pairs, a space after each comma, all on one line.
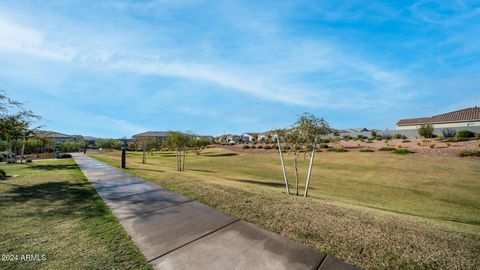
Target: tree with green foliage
[[313, 129], [15, 126], [72, 146], [426, 130], [178, 141], [305, 135], [108, 144], [197, 144]]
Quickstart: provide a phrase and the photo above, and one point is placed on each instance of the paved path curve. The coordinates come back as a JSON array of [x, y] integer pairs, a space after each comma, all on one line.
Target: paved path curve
[[174, 232]]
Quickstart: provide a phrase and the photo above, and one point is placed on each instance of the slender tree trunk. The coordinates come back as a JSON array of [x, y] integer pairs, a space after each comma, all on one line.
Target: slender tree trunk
[[183, 161], [178, 159], [309, 174], [10, 154], [144, 158], [23, 150], [295, 165], [283, 166], [15, 152]]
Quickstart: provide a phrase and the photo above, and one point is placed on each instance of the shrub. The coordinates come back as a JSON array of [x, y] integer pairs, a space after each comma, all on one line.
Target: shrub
[[399, 146], [419, 143], [386, 149], [449, 144], [338, 150], [3, 174], [28, 161], [260, 146], [402, 151], [406, 141], [268, 147], [399, 136], [63, 155], [323, 145], [246, 146], [432, 145], [369, 141], [467, 153], [448, 132], [478, 135], [426, 131], [361, 137], [367, 150], [465, 134]]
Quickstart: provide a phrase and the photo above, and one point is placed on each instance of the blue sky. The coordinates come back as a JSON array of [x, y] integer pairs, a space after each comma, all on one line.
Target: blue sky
[[116, 68]]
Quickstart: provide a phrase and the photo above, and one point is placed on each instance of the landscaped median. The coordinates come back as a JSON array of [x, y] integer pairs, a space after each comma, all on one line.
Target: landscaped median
[[52, 218]]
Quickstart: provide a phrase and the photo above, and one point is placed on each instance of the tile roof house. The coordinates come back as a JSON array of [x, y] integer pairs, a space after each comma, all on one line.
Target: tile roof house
[[58, 137], [469, 117], [151, 134]]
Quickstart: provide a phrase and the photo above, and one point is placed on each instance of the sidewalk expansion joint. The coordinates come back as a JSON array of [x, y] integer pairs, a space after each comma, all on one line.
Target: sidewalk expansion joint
[[203, 236]]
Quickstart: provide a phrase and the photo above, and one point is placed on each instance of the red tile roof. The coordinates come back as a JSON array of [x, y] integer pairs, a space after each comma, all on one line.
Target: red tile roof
[[465, 115]]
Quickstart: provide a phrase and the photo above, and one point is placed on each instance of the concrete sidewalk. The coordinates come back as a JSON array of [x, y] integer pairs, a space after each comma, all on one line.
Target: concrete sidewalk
[[174, 232]]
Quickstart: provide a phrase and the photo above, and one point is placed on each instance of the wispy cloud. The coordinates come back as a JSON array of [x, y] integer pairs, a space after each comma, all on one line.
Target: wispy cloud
[[268, 81]]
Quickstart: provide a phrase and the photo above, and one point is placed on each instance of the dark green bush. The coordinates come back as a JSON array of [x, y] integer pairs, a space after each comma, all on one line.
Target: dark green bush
[[3, 174], [397, 136], [267, 147], [28, 161], [64, 155], [386, 149], [426, 131], [246, 146], [260, 146], [367, 150], [402, 151], [338, 150], [469, 154], [465, 134], [323, 145]]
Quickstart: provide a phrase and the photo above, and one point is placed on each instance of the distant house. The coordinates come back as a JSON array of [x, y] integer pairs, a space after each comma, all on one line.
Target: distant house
[[469, 117], [151, 135], [164, 134], [232, 138], [249, 137], [57, 137]]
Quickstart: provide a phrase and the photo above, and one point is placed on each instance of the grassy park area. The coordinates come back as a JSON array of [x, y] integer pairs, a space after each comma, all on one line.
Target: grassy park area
[[374, 210], [50, 210]]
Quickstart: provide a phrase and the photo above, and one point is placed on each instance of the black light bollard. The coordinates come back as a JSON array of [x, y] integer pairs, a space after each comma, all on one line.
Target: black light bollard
[[123, 157]]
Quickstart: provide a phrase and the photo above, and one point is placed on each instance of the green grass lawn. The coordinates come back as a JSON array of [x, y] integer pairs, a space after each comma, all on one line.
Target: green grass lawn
[[51, 209], [374, 210]]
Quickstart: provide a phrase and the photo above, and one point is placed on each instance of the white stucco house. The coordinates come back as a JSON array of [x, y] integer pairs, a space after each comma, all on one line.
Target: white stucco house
[[469, 117]]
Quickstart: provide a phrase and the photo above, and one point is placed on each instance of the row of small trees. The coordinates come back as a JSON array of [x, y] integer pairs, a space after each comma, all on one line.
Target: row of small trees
[[176, 141]]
